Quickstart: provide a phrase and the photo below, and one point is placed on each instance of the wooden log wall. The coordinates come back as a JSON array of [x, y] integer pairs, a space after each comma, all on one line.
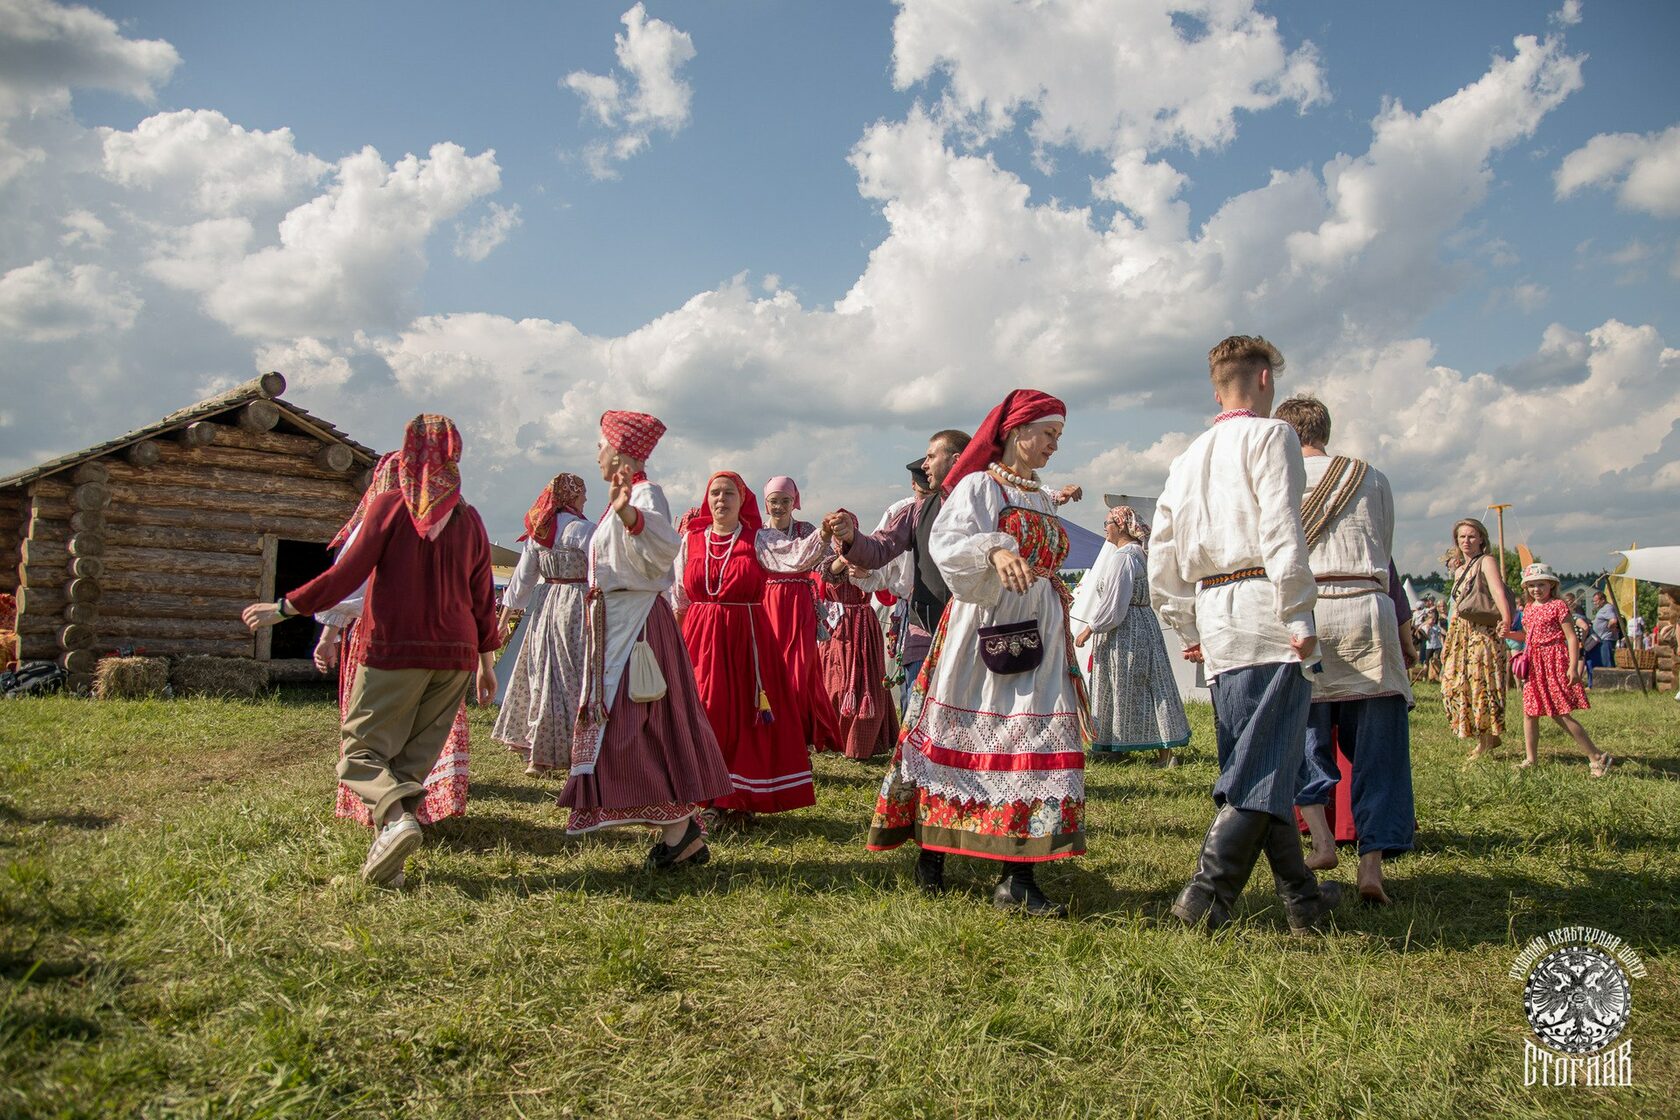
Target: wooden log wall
[[1668, 622], [14, 526], [160, 545]]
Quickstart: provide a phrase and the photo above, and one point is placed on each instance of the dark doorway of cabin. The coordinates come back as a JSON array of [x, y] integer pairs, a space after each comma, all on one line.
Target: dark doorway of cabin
[[296, 563]]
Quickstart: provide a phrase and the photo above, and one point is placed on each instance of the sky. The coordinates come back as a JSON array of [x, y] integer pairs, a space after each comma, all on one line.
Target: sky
[[808, 235]]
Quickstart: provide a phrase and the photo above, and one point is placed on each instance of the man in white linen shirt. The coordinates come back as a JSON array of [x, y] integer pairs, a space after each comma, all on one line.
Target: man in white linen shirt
[[1228, 570], [1363, 699]]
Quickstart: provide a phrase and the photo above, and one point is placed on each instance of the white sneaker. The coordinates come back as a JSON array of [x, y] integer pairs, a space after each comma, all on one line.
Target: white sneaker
[[390, 850]]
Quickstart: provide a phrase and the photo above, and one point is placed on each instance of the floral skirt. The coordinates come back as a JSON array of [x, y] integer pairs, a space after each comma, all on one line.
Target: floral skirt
[[1471, 686]]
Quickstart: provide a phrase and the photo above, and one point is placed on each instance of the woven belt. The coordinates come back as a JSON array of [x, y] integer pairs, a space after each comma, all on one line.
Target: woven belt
[[1231, 577], [580, 579]]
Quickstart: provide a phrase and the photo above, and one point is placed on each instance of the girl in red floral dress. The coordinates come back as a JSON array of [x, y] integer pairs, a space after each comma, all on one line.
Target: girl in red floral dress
[[1553, 687]]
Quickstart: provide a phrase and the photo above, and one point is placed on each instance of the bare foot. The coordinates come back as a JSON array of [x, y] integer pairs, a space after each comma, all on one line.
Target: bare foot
[[1322, 861], [1370, 877], [1525, 764], [1600, 766], [1479, 752]]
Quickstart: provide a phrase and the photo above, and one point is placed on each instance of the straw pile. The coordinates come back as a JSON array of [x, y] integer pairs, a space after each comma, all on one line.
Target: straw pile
[[131, 678], [237, 678]]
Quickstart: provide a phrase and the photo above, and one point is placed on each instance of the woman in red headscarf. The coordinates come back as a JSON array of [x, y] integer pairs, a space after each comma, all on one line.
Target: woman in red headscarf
[[428, 623], [643, 752], [790, 602], [993, 764], [343, 644], [727, 560], [539, 706]]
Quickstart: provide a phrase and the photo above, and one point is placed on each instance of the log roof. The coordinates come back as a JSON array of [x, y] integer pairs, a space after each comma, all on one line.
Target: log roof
[[267, 387]]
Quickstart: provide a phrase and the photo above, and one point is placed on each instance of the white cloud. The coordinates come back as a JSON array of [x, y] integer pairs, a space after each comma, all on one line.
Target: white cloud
[[83, 227], [43, 302], [479, 241], [221, 168], [309, 364], [1645, 169], [1104, 75], [654, 95], [348, 259], [1530, 297], [46, 48], [1569, 15]]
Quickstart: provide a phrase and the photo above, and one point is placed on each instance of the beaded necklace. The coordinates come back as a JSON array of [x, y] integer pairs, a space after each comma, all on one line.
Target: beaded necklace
[[725, 556], [1010, 478]]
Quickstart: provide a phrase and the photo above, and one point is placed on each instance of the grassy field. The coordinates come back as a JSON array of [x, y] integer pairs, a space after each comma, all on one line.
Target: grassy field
[[182, 934]]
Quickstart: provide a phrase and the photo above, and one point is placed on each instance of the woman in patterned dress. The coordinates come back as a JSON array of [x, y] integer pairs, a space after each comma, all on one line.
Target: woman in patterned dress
[[993, 764], [1473, 659], [790, 603], [1553, 687], [343, 644], [854, 661], [1135, 704], [539, 708]]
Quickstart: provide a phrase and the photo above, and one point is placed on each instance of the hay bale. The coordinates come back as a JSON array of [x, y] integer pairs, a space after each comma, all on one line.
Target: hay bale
[[131, 678], [237, 678]]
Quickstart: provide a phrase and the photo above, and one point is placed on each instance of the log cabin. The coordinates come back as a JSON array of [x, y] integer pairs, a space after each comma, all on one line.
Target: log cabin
[[151, 543]]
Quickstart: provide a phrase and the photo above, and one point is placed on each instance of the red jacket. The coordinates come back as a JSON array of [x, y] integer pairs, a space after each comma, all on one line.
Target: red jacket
[[430, 604]]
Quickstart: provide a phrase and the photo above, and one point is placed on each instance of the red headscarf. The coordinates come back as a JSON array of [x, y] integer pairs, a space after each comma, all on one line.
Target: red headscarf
[[564, 494], [430, 471], [384, 481], [700, 516], [1021, 406], [635, 434]]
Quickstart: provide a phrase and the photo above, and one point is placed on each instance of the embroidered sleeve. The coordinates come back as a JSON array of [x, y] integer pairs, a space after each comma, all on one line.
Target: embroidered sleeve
[[782, 552], [653, 548], [965, 536]]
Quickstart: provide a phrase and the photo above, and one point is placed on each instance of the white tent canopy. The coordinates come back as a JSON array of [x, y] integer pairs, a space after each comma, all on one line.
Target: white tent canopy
[[1654, 565]]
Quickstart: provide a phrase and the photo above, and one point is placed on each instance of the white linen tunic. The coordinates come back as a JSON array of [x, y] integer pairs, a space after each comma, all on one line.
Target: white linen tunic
[[631, 570], [1233, 501]]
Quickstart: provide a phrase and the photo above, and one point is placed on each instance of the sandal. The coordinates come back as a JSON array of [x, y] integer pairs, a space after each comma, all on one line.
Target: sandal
[[1602, 766]]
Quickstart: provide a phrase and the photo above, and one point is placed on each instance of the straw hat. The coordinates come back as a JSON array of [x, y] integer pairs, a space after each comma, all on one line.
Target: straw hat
[[1539, 573]]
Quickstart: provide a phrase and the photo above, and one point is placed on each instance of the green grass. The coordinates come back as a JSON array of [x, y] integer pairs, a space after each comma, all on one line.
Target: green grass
[[182, 934]]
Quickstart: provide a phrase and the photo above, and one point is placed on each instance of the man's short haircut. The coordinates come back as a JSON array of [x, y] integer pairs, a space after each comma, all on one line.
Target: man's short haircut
[[953, 439], [1309, 418], [1242, 355]]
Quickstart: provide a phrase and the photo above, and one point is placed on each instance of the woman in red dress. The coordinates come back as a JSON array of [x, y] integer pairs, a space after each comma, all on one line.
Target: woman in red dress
[[1553, 687], [726, 561], [854, 661], [790, 601]]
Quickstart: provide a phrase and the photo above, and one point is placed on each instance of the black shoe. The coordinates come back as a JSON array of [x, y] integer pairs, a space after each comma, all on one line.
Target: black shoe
[[663, 856], [1306, 902], [1232, 845], [1018, 890], [930, 872]]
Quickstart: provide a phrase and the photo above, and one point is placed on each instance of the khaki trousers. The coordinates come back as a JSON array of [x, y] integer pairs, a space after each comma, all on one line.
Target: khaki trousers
[[394, 730]]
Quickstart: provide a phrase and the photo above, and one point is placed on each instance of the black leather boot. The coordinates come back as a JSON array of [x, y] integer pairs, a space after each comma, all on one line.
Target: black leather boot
[[1017, 889], [1306, 902], [930, 871], [1233, 844]]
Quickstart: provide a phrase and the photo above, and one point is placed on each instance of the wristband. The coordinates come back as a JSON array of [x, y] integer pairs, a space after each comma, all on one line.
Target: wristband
[[280, 607]]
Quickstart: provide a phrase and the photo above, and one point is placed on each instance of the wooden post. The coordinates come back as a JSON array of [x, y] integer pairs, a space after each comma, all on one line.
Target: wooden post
[[266, 592]]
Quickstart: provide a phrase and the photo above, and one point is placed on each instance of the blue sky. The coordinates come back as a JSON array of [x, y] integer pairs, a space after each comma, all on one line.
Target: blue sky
[[980, 256]]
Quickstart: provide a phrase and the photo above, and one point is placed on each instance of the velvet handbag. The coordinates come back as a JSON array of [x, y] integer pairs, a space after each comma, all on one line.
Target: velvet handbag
[[1014, 647]]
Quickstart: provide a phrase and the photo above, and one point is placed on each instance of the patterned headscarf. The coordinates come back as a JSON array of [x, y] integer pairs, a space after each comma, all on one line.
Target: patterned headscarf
[[700, 517], [635, 434], [563, 495], [1126, 519], [1021, 406], [384, 481], [430, 471]]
